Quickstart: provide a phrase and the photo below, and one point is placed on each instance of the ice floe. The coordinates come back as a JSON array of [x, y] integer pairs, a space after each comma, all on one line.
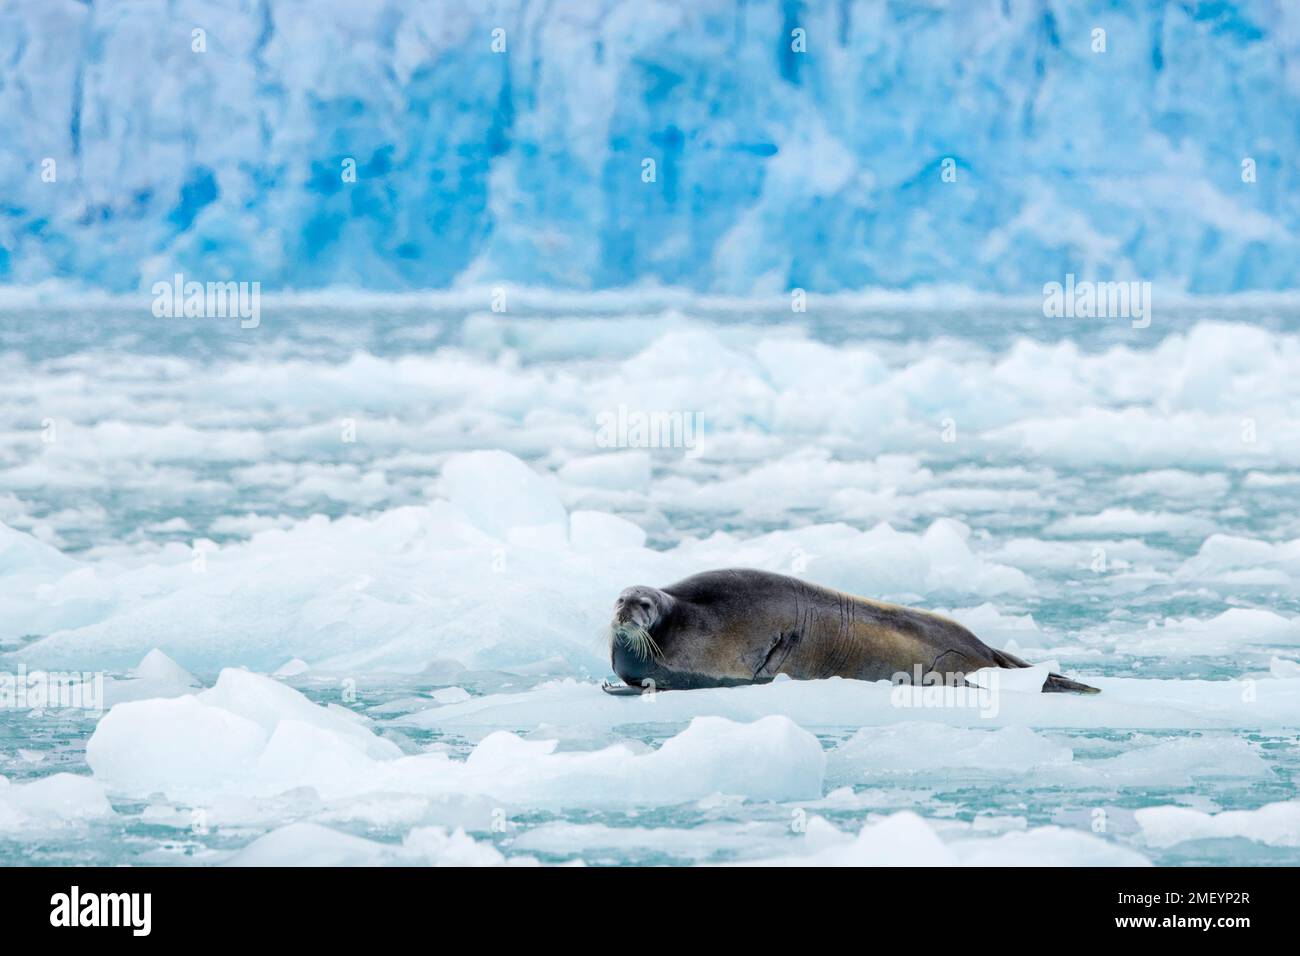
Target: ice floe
[[252, 735], [1125, 703], [58, 800], [1275, 824], [906, 839], [311, 844]]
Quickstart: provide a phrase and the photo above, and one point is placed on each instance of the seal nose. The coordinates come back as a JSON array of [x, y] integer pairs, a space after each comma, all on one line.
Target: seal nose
[[633, 610]]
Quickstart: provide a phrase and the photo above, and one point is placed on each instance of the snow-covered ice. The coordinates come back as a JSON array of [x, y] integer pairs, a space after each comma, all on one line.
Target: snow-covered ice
[[252, 735]]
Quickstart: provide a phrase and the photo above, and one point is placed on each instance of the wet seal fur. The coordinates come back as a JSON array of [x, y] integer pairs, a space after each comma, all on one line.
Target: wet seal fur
[[740, 626]]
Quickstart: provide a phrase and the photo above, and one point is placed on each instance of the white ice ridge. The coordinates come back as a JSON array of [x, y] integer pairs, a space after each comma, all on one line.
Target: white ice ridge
[[496, 575], [1125, 703], [251, 735], [418, 583]]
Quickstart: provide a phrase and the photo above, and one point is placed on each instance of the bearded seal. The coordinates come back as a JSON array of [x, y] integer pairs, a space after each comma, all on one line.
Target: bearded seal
[[740, 626]]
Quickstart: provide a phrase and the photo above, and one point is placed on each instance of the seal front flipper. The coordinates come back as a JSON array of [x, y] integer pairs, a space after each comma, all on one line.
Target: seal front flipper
[[620, 690]]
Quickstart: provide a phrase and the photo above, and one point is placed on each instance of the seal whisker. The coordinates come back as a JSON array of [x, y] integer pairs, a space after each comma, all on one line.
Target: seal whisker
[[638, 640]]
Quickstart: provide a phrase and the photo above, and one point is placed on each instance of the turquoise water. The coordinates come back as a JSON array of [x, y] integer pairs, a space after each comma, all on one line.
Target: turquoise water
[[1071, 439], [949, 797]]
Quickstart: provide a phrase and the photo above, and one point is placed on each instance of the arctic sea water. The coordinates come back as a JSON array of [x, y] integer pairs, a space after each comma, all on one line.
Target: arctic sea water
[[347, 574]]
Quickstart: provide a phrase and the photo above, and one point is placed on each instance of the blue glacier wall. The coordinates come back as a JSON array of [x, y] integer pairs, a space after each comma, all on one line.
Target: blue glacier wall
[[774, 168]]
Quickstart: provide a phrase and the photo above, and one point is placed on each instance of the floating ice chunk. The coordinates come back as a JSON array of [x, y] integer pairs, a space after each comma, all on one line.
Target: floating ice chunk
[[248, 524], [1264, 479], [181, 743], [875, 562], [248, 729], [57, 800], [436, 846], [252, 735], [901, 839], [1176, 763], [268, 703], [310, 844], [501, 495], [1078, 555], [1230, 559], [1284, 669], [770, 759], [696, 354], [399, 588], [42, 590], [1234, 630], [157, 666], [1188, 486], [638, 842], [918, 748], [22, 554], [292, 668], [954, 567], [1046, 846], [1275, 824], [906, 839], [301, 754], [451, 695], [157, 675], [791, 363], [993, 823], [616, 471], [1127, 521], [1140, 436], [995, 628], [597, 531], [805, 478]]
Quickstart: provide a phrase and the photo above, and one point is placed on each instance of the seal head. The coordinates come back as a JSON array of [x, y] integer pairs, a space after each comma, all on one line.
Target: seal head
[[636, 633]]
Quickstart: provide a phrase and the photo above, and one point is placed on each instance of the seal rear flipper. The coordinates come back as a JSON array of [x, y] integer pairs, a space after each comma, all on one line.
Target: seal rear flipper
[[1056, 684], [1007, 659]]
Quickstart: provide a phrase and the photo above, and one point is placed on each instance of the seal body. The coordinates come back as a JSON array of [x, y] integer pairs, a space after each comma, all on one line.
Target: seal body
[[740, 626]]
